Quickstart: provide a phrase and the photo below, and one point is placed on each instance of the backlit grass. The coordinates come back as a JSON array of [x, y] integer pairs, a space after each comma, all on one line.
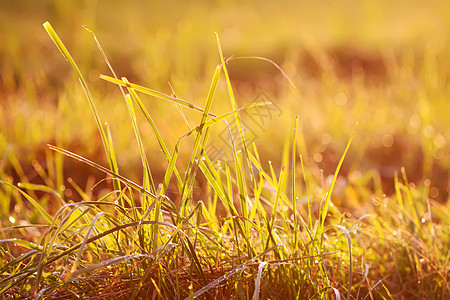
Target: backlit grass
[[256, 232], [200, 187]]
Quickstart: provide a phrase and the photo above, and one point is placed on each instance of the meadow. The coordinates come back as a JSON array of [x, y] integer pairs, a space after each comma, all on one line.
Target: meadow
[[224, 150]]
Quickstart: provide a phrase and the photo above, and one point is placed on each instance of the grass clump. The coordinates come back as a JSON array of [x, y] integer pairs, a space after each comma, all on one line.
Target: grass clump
[[257, 233]]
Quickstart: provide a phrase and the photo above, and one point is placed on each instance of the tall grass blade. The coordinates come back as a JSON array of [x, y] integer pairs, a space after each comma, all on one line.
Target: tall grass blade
[[326, 204], [160, 139], [60, 45], [293, 183], [208, 104], [240, 166], [112, 158], [148, 182]]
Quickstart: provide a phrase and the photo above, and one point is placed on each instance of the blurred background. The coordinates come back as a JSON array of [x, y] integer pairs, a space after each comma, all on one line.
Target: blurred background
[[384, 64]]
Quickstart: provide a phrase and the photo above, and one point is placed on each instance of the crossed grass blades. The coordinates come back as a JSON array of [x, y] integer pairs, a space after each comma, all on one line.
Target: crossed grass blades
[[137, 243]]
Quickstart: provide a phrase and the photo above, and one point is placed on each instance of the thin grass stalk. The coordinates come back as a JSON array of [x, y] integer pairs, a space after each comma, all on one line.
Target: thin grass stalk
[[162, 249], [147, 181], [411, 204], [239, 167], [350, 258], [324, 211], [112, 160], [208, 104], [159, 138], [60, 45], [80, 250], [154, 93], [308, 193], [293, 183], [104, 170]]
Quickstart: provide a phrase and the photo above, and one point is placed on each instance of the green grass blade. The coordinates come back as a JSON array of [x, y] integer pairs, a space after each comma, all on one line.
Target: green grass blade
[[324, 211], [107, 263], [40, 209], [220, 118], [60, 45], [160, 139], [148, 182], [277, 198], [411, 204], [239, 166], [83, 243], [104, 170], [209, 101], [293, 183], [112, 158], [162, 248], [308, 193], [153, 93], [43, 188]]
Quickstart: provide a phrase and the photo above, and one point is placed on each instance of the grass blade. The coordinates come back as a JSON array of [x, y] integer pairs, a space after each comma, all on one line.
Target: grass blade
[[104, 170], [153, 93], [324, 211], [41, 210], [60, 45], [350, 275], [261, 267], [230, 273]]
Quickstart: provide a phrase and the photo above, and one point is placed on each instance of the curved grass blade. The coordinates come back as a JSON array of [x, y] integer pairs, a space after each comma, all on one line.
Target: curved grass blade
[[42, 188], [34, 202], [319, 293], [23, 243], [80, 250], [162, 249], [269, 61], [104, 170], [105, 233]]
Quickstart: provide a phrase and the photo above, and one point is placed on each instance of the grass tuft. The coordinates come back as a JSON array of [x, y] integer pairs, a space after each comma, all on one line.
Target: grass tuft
[[259, 229]]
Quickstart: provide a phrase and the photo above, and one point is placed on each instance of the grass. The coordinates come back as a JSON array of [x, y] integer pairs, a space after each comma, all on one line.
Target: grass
[[307, 225]]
